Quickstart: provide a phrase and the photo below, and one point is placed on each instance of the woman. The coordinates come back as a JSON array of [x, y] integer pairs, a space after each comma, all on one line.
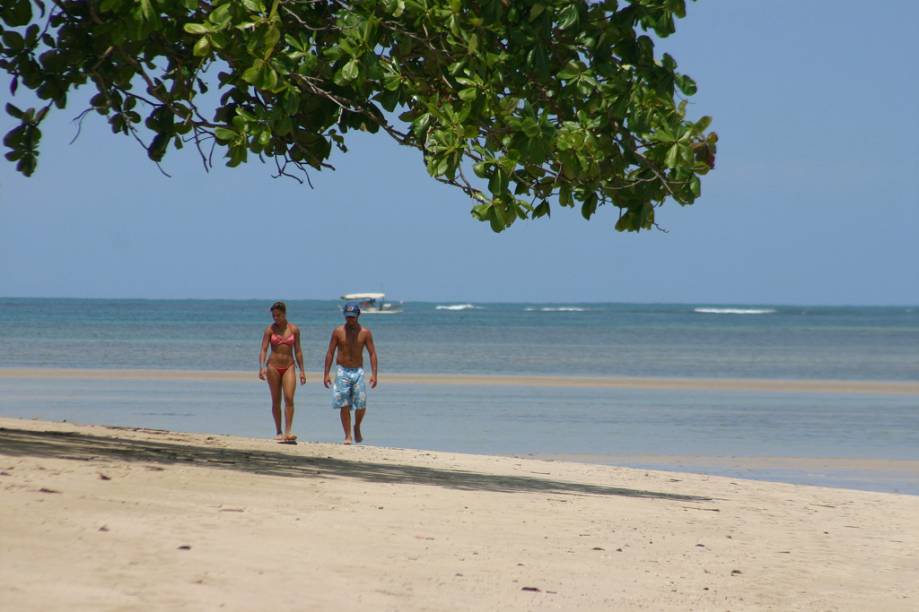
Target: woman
[[284, 339]]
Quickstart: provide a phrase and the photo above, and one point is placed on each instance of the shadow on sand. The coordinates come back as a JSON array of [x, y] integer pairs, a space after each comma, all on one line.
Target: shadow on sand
[[83, 447]]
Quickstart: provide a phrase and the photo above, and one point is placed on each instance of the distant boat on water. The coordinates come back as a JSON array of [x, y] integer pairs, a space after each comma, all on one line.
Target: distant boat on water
[[373, 303]]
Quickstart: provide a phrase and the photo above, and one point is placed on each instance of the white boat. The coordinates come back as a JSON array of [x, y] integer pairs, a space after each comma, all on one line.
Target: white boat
[[373, 303]]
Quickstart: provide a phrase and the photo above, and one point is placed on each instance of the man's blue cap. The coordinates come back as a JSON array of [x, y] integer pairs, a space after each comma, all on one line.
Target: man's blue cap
[[352, 310]]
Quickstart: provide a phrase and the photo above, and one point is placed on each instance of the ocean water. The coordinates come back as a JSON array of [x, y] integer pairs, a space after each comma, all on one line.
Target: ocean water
[[711, 341], [694, 430]]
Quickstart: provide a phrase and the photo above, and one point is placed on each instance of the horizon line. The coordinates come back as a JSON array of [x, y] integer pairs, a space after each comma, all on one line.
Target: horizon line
[[698, 303]]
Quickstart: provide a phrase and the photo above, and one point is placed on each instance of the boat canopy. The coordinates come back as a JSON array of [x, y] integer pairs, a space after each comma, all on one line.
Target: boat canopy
[[363, 296]]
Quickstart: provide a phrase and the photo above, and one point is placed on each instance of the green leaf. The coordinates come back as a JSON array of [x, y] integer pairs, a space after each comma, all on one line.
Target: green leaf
[[16, 12], [568, 17], [350, 71], [564, 195], [221, 16], [252, 74], [196, 28], [496, 219], [673, 156], [202, 47], [536, 10], [589, 207], [269, 79], [629, 222], [146, 9], [225, 134], [569, 72], [272, 36], [14, 111], [686, 85], [13, 40], [695, 186], [472, 45]]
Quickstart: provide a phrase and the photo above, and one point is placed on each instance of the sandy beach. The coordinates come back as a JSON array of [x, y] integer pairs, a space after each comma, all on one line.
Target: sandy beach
[[775, 385], [99, 518]]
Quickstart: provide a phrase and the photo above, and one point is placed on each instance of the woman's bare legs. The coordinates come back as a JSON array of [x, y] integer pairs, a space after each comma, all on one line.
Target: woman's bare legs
[[274, 383], [289, 383]]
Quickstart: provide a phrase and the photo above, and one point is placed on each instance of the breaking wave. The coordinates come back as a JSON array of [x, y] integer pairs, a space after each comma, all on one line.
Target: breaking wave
[[456, 307], [737, 311], [557, 309]]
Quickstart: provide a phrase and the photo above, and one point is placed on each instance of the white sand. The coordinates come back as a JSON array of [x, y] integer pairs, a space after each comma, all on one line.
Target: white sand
[[94, 518]]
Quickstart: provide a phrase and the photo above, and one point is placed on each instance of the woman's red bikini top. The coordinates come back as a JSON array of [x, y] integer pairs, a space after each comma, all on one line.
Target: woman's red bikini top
[[276, 340]]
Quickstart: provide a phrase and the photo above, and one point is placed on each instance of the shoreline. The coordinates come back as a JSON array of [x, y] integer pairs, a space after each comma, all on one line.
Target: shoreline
[[824, 386], [134, 518], [899, 476]]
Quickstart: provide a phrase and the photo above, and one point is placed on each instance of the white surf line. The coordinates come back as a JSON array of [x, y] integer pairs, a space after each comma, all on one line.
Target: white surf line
[[868, 387]]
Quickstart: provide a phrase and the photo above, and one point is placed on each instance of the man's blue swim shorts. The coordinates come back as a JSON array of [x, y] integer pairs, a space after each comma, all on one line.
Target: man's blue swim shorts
[[349, 389]]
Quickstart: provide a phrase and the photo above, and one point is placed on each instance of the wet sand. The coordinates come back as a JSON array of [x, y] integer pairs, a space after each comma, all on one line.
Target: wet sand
[[99, 518], [869, 387]]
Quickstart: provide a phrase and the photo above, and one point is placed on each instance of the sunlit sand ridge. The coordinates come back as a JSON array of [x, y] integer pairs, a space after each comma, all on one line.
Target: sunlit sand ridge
[[872, 387]]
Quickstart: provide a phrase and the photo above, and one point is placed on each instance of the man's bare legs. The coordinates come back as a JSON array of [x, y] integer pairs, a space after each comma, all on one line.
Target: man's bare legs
[[358, 417], [346, 422]]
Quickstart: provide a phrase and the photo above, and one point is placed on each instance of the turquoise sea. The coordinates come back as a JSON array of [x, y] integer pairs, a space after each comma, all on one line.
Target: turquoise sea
[[732, 432]]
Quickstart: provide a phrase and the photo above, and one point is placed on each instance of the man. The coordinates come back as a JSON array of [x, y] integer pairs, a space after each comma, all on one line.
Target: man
[[349, 390]]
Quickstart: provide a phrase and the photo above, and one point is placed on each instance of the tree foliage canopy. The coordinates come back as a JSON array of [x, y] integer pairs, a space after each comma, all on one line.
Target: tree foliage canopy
[[521, 104]]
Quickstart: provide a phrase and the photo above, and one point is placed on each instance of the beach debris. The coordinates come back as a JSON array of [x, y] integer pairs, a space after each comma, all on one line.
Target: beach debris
[[736, 572], [700, 545], [529, 588], [155, 468], [784, 552], [103, 528], [421, 537], [184, 547], [104, 476], [597, 548], [46, 490], [4, 473], [232, 510], [458, 574], [618, 550]]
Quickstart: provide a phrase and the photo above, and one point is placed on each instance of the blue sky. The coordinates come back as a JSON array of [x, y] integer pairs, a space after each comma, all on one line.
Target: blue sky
[[814, 201]]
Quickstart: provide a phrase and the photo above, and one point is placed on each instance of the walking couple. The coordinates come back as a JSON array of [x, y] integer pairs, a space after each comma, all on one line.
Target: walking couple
[[346, 347]]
